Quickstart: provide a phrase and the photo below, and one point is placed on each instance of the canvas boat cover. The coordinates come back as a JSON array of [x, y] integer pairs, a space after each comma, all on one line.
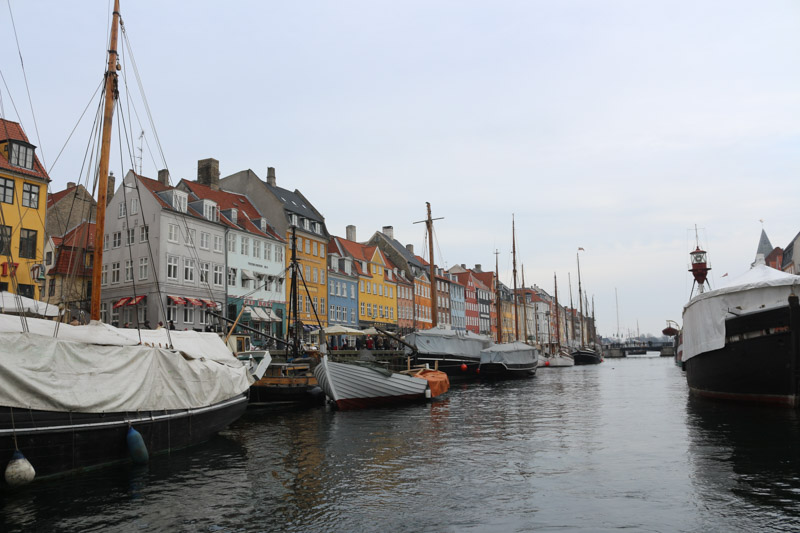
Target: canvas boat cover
[[440, 341], [98, 368], [16, 303], [511, 353], [758, 289], [438, 382]]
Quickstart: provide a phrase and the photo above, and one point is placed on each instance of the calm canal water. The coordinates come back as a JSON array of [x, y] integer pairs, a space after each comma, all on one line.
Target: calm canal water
[[617, 446]]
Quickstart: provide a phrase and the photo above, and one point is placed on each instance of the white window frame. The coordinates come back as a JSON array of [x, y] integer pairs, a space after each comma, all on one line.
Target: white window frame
[[205, 268], [172, 267], [188, 270], [144, 267]]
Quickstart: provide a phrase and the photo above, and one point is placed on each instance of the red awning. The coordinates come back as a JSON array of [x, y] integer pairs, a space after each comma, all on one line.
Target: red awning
[[137, 299], [121, 302], [177, 300], [209, 303], [194, 301]]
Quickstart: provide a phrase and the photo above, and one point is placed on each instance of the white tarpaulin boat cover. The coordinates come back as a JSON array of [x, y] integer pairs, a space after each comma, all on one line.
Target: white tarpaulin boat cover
[[704, 316], [99, 368], [440, 341], [511, 353], [15, 303]]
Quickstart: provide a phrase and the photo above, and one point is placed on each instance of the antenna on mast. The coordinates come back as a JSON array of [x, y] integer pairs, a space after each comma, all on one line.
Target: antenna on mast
[[140, 151]]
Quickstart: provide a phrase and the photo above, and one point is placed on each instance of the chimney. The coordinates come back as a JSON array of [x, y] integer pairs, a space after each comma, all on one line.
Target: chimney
[[388, 231], [110, 188], [271, 176], [478, 268], [463, 266], [350, 233], [163, 177], [410, 248], [70, 184], [208, 173]]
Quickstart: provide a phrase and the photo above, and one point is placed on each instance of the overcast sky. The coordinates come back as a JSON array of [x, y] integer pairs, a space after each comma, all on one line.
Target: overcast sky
[[614, 126]]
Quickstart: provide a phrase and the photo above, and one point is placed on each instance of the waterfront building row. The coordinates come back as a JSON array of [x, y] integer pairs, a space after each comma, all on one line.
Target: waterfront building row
[[173, 254]]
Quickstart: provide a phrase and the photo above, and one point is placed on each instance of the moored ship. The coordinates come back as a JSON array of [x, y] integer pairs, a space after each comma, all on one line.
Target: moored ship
[[742, 341]]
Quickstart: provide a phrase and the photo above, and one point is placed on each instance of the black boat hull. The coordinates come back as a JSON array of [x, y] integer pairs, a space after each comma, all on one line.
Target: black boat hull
[[57, 443], [502, 371], [302, 393], [755, 365], [586, 357]]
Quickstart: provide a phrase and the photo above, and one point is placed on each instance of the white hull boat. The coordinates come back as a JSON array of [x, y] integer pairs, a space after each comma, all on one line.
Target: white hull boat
[[359, 385]]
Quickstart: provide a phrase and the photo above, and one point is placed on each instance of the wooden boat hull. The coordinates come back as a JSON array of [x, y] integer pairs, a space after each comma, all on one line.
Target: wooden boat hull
[[58, 443], [351, 386], [755, 365], [299, 388]]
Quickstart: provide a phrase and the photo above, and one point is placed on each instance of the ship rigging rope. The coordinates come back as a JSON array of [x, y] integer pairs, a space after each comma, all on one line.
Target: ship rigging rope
[[77, 123], [70, 279], [27, 89]]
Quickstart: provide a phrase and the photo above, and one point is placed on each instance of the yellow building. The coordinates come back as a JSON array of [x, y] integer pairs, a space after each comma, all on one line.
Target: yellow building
[[377, 284], [23, 194]]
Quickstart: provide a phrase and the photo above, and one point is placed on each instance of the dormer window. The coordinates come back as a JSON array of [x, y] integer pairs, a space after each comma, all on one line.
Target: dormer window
[[211, 211], [317, 228], [263, 224], [180, 201], [294, 220], [21, 155], [306, 224]]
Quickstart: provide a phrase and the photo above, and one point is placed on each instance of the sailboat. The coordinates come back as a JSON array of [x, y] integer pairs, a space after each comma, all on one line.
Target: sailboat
[[78, 397], [585, 354], [560, 357], [456, 353], [515, 359]]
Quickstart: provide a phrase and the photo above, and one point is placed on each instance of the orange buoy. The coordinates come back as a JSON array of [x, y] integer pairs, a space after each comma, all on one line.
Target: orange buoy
[[547, 363], [463, 367]]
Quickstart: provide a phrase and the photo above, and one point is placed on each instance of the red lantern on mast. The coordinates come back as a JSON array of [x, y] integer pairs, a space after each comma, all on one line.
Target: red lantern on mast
[[699, 266]]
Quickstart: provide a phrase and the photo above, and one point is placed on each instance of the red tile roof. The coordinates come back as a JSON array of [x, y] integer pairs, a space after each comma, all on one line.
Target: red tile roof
[[70, 262], [77, 237], [13, 131]]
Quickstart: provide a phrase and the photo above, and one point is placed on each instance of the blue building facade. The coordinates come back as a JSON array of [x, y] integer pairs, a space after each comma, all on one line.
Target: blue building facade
[[342, 295]]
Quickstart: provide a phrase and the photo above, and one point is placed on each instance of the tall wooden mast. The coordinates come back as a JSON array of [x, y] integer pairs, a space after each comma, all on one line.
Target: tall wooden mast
[[111, 94], [558, 319], [514, 263], [434, 292], [580, 299], [497, 299], [524, 309]]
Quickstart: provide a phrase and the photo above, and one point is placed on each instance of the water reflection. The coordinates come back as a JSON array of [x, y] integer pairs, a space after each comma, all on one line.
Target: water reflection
[[600, 448], [138, 497], [746, 463]]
